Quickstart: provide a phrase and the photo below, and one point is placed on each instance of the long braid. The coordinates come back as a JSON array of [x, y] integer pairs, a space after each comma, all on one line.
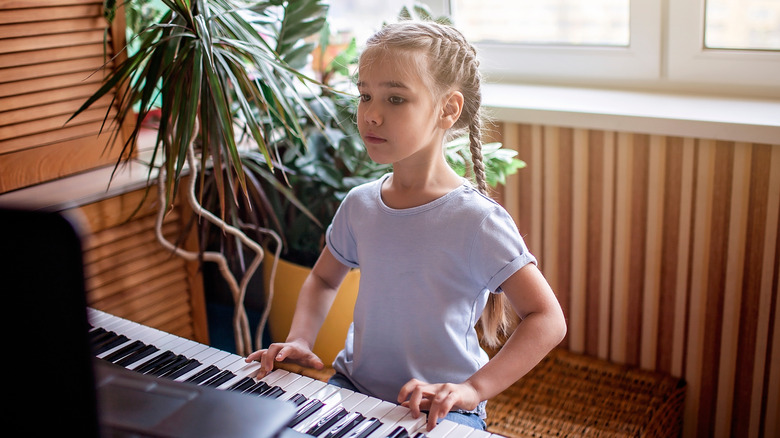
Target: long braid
[[475, 147], [453, 64]]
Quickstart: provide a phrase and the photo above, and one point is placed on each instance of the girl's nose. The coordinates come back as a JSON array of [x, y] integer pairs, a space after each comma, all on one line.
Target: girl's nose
[[371, 115]]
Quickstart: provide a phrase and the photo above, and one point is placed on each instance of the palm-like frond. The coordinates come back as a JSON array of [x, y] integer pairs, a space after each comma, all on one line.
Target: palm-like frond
[[211, 63]]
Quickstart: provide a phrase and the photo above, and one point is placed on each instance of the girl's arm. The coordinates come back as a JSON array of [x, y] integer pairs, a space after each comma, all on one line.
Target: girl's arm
[[542, 327], [314, 301]]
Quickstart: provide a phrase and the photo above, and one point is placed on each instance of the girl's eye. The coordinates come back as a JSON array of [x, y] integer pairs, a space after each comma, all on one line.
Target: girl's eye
[[395, 100], [365, 97]]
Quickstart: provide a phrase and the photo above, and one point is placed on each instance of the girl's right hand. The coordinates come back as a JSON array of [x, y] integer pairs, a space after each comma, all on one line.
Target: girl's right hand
[[295, 351]]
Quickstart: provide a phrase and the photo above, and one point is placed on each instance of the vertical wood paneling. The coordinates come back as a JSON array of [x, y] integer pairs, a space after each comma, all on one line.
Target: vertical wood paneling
[[636, 259], [683, 244], [740, 195], [551, 207], [653, 251], [579, 234], [622, 244], [771, 415], [769, 293], [715, 271], [511, 190], [705, 173], [595, 241], [766, 362], [607, 242], [563, 221], [746, 400], [537, 194], [664, 252]]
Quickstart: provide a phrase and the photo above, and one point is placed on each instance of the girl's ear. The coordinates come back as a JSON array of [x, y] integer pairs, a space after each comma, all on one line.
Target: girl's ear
[[450, 111]]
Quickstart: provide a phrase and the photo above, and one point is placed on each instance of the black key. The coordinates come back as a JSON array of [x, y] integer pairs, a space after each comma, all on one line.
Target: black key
[[100, 331], [327, 422], [305, 411], [273, 392], [298, 399], [138, 355], [99, 338], [419, 435], [243, 384], [365, 429], [219, 379], [399, 432], [124, 351], [154, 362], [173, 364], [259, 388], [108, 344], [345, 425], [189, 366], [203, 374]]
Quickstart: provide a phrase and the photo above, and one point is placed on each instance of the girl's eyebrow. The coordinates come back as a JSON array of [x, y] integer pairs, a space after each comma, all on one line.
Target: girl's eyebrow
[[386, 84]]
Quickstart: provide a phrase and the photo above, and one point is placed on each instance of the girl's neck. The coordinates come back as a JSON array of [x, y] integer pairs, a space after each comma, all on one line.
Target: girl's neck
[[407, 188]]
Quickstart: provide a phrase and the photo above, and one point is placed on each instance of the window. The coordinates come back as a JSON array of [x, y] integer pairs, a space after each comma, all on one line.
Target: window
[[687, 44], [712, 45], [594, 43], [678, 44], [742, 25], [559, 22]]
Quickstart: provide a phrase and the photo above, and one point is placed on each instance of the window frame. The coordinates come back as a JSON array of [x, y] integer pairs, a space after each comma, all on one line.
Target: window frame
[[689, 60], [638, 60], [665, 52]]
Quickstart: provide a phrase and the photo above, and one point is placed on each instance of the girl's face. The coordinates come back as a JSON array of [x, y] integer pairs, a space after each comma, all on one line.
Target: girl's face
[[397, 116]]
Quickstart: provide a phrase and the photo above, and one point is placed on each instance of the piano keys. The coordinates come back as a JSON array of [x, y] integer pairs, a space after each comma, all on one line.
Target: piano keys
[[323, 410]]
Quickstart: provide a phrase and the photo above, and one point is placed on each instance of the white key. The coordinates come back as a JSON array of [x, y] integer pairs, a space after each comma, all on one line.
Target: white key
[[318, 390], [461, 431], [295, 387], [412, 424], [366, 406], [274, 375], [442, 429], [389, 421], [478, 433]]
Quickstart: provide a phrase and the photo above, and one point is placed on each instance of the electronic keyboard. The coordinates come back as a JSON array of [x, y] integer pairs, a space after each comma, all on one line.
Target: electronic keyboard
[[322, 410]]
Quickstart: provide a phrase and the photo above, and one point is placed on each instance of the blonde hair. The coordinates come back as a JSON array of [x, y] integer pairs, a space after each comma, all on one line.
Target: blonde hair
[[452, 64]]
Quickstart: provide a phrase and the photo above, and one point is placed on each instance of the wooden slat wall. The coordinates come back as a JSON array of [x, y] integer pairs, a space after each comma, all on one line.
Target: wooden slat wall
[[129, 274], [664, 254], [50, 52]]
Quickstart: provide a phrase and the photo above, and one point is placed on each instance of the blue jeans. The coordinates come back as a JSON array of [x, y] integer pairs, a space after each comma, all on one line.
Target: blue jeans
[[470, 419]]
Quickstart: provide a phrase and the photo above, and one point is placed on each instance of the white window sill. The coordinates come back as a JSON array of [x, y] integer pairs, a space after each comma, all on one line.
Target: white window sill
[[718, 118]]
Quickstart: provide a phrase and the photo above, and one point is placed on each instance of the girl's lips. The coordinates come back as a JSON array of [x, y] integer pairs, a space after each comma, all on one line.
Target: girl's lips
[[369, 138]]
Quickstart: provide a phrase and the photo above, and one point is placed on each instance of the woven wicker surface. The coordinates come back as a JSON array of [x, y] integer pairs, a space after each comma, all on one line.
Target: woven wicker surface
[[573, 395]]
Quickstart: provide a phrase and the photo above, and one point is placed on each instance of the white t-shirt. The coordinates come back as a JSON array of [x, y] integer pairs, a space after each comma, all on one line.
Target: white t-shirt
[[425, 276]]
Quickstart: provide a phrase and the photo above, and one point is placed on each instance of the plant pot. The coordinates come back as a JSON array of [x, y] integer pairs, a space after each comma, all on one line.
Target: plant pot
[[288, 281]]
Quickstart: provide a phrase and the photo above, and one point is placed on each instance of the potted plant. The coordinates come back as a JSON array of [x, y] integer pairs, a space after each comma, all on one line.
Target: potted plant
[[320, 175], [220, 69]]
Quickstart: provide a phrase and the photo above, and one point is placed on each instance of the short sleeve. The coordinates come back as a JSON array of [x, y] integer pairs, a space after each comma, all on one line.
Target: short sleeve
[[339, 237], [498, 250]]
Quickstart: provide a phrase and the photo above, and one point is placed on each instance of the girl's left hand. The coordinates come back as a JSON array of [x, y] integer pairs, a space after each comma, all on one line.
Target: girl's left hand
[[437, 398]]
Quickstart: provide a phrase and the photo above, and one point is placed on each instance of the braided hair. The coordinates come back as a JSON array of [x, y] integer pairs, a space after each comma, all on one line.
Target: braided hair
[[452, 64]]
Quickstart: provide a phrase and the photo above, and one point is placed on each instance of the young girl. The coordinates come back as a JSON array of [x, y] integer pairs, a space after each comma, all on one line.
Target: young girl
[[432, 249]]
